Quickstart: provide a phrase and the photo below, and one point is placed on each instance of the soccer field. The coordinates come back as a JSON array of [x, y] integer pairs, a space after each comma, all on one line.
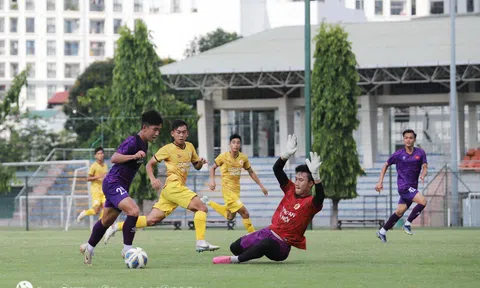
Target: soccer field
[[348, 258]]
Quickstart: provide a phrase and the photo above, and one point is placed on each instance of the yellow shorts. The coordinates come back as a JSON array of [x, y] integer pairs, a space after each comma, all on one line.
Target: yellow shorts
[[173, 195], [232, 201], [98, 199]]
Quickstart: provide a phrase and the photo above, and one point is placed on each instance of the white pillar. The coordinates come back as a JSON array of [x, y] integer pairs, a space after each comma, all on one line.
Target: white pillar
[[386, 130], [461, 125], [476, 6], [205, 130], [472, 126], [461, 7], [285, 121], [299, 129], [224, 131], [368, 112]]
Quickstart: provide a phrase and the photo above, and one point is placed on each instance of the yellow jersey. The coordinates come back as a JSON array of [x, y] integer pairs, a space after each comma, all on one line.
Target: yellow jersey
[[231, 169], [177, 161], [97, 170]]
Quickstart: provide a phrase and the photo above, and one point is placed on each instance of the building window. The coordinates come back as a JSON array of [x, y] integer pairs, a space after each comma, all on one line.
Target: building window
[[51, 70], [71, 48], [378, 7], [436, 7], [30, 23], [398, 7], [2, 70], [31, 72], [13, 25], [2, 24], [414, 7], [72, 70], [97, 26], [359, 4], [51, 48], [31, 92], [29, 5], [117, 5], [117, 23], [30, 47], [176, 8], [97, 5], [50, 5], [51, 90], [51, 25], [470, 6], [97, 48], [138, 6], [70, 5], [13, 47], [13, 69], [67, 87], [2, 47], [71, 26], [13, 5]]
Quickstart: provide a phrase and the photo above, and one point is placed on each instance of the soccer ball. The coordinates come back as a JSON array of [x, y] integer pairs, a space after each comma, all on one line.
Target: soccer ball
[[136, 258]]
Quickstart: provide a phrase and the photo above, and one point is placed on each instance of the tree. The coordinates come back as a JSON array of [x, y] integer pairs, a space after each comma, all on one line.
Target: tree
[[11, 98], [98, 74], [137, 86], [211, 40], [334, 114]]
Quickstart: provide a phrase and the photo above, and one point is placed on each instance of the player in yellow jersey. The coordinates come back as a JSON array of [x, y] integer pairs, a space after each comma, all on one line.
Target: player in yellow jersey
[[98, 171], [177, 156], [231, 164]]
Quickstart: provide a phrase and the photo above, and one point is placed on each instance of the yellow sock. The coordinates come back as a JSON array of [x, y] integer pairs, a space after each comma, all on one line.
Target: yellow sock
[[90, 212], [200, 221], [248, 225], [221, 209], [141, 223]]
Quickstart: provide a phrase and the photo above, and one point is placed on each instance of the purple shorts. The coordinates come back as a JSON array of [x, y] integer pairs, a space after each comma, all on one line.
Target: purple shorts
[[406, 197], [256, 237], [115, 193]]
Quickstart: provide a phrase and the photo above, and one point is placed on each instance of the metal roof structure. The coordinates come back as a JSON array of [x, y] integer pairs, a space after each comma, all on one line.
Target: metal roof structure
[[416, 51]]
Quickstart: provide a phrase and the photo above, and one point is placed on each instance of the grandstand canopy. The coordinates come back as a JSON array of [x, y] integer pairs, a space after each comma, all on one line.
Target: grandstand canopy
[[416, 51]]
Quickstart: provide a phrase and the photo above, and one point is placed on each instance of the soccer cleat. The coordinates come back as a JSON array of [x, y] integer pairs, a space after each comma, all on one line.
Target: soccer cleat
[[203, 245], [87, 255], [110, 233], [81, 215], [222, 260], [382, 237], [407, 229], [205, 200]]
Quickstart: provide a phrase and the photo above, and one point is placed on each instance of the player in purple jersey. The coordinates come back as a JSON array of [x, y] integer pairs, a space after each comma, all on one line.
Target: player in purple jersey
[[410, 161], [127, 160]]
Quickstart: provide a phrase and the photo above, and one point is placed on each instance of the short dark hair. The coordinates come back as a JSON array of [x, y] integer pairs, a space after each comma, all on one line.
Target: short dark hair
[[304, 168], [235, 136], [151, 117], [178, 123], [98, 149], [409, 131]]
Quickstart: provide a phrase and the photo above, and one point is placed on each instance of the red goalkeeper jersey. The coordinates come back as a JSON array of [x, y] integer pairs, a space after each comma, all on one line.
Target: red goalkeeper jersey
[[293, 215]]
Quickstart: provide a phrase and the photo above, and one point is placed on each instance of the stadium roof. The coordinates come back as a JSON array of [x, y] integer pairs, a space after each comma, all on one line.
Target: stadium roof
[[416, 43]]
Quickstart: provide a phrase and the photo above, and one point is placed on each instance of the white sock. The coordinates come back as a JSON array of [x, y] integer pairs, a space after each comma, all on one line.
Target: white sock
[[201, 243], [407, 223], [90, 248], [127, 247], [383, 231], [234, 259]]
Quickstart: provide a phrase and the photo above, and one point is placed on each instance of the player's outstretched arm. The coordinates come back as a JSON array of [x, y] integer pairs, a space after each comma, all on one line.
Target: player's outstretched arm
[[211, 181], [156, 183], [314, 167], [118, 158], [290, 149], [255, 178]]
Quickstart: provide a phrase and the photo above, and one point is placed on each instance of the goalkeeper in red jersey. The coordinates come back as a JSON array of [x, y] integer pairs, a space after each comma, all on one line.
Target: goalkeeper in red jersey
[[292, 216]]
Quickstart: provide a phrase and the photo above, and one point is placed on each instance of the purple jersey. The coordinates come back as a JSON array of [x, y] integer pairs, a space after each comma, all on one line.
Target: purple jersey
[[408, 167], [125, 172]]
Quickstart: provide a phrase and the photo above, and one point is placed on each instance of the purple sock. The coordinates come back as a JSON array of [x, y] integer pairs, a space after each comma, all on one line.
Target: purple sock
[[415, 212], [97, 233], [391, 221], [129, 229]]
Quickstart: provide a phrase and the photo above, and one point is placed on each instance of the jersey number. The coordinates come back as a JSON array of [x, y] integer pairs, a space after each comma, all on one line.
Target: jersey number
[[121, 190], [412, 190]]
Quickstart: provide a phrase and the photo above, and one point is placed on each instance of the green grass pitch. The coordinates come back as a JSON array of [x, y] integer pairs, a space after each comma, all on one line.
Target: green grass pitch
[[348, 258]]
